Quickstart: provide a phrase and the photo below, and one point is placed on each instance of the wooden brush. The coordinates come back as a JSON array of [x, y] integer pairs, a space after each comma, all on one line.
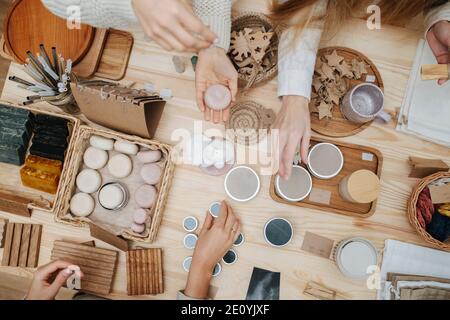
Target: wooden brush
[[435, 71]]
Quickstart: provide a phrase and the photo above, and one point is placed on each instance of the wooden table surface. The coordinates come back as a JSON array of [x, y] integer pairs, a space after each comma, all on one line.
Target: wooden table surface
[[392, 50]]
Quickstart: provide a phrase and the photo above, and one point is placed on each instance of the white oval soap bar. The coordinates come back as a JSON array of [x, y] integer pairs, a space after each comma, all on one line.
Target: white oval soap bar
[[145, 196], [217, 97], [149, 156], [138, 228], [95, 158], [111, 196], [102, 143], [151, 173], [82, 204], [140, 216], [120, 166], [126, 147], [89, 180]]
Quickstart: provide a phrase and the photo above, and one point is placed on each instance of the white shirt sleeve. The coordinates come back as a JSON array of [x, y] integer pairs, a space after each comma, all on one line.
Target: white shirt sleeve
[[297, 56], [437, 14]]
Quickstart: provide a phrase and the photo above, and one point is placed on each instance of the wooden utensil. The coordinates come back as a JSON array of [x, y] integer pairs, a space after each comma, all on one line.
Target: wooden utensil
[[87, 67], [29, 24], [435, 71], [116, 53]]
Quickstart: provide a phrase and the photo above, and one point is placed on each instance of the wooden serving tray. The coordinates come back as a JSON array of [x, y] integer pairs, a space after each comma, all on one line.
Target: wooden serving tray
[[18, 199], [353, 161], [338, 125], [29, 23]]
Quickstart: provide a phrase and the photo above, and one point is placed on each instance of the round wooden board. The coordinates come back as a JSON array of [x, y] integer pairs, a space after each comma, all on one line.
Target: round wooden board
[[338, 126], [29, 23]]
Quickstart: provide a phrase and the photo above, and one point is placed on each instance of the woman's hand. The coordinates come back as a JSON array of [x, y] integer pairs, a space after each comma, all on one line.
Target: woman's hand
[[173, 25], [439, 40], [44, 287], [215, 239], [214, 67], [294, 128]]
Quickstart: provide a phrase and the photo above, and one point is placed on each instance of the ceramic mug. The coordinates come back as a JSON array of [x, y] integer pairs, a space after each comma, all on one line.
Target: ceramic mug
[[363, 103]]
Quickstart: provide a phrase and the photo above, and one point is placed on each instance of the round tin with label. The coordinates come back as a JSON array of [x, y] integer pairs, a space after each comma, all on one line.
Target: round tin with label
[[214, 209], [190, 224], [190, 240], [278, 232], [354, 257], [242, 184], [240, 240], [217, 270], [325, 161], [187, 263], [230, 257]]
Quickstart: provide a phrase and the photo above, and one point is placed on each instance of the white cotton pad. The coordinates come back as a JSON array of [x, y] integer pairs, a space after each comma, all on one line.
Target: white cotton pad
[[138, 228], [126, 147], [102, 143], [89, 180], [149, 156], [140, 216], [151, 173], [111, 196], [145, 196], [82, 204], [95, 158], [120, 166]]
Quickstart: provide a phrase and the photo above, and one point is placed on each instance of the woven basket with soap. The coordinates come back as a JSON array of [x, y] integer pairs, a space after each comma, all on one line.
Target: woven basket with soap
[[125, 169]]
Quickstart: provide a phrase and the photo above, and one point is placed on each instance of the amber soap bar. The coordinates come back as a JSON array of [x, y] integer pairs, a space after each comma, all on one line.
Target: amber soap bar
[[44, 164], [40, 180]]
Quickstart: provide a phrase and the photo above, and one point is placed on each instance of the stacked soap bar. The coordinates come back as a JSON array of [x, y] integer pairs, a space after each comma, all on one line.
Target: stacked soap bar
[[15, 132], [50, 137], [43, 166]]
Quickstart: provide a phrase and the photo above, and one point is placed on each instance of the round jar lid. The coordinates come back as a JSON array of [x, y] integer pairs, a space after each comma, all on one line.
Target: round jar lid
[[297, 187], [230, 257], [363, 186], [278, 232], [355, 256], [190, 224], [242, 184], [325, 161]]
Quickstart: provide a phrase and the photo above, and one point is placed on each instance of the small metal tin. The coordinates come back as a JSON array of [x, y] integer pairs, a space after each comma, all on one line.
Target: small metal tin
[[187, 263], [230, 257], [242, 176], [363, 103], [217, 270], [190, 224], [214, 209], [285, 238], [354, 256], [123, 188], [240, 240], [190, 240]]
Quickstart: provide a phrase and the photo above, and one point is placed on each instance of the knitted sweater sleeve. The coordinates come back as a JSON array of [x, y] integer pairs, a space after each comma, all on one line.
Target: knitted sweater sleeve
[[437, 14], [216, 14], [117, 14]]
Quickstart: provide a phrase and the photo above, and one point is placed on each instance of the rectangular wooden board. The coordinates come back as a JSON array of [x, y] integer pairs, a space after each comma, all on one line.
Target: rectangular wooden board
[[144, 272], [87, 67], [97, 264], [116, 54], [355, 158], [22, 245]]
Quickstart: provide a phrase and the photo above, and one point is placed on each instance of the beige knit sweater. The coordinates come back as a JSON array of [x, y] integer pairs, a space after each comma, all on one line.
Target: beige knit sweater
[[119, 14]]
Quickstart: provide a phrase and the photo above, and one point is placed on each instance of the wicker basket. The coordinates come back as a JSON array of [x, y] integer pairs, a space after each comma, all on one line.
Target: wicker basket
[[255, 20], [63, 215], [412, 211], [41, 202]]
